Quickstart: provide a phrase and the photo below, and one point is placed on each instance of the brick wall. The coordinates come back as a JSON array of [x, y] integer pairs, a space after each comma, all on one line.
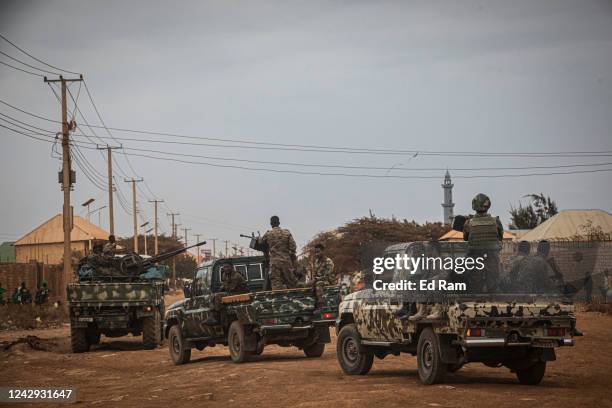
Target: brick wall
[[33, 274]]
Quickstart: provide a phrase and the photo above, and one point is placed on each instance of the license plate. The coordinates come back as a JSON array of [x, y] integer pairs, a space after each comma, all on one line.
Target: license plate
[[544, 344], [85, 319]]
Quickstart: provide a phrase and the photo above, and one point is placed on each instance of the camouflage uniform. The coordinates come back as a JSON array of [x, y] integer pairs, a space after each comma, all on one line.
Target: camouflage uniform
[[109, 249], [323, 275], [233, 282], [281, 249], [484, 234]]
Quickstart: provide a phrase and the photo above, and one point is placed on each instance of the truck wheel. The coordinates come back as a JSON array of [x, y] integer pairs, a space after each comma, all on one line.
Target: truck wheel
[[351, 359], [532, 375], [178, 352], [431, 368], [314, 350], [78, 340], [235, 342], [151, 333], [93, 336]]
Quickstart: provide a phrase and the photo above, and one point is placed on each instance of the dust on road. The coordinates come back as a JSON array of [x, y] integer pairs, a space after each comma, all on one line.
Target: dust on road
[[119, 372]]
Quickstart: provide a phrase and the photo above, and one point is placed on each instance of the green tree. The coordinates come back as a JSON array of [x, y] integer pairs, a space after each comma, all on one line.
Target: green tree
[[540, 209]]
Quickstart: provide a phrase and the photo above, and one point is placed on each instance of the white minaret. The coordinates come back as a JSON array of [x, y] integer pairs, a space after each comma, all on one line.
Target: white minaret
[[448, 204]]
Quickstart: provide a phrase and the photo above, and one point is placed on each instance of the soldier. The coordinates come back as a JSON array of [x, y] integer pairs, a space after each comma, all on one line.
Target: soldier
[[484, 234], [24, 294], [232, 281], [42, 294], [110, 247], [323, 274], [281, 249]]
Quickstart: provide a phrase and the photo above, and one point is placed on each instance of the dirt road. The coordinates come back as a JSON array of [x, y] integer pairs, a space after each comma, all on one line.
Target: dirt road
[[120, 373]]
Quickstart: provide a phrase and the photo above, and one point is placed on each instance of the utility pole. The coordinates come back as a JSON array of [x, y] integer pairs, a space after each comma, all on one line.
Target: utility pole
[[197, 241], [155, 221], [67, 180], [134, 210], [226, 248], [214, 248], [109, 157], [173, 258], [186, 229]]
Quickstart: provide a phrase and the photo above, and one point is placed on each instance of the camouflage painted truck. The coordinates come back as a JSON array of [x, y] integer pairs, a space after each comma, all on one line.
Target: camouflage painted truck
[[518, 331], [247, 322], [118, 295]]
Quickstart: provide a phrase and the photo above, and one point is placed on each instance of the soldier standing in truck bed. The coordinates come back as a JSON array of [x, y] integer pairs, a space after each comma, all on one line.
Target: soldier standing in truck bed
[[484, 234], [323, 273], [281, 249]]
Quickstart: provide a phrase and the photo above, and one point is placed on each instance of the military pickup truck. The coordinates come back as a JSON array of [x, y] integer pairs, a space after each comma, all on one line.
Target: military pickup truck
[[518, 331], [118, 295], [247, 322]]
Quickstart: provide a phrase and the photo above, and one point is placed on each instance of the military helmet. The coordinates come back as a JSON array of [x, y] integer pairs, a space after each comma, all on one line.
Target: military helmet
[[481, 203]]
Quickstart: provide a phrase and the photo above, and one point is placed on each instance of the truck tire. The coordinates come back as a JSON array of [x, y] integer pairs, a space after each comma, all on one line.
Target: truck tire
[[176, 346], [235, 342], [348, 351], [78, 340], [532, 375], [151, 333], [93, 336], [429, 361], [314, 350]]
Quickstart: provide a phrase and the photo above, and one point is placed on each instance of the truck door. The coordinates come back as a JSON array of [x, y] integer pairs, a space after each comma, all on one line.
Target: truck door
[[200, 306]]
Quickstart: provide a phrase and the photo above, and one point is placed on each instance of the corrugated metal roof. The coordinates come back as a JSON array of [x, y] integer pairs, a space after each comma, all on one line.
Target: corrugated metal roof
[[52, 231], [570, 223]]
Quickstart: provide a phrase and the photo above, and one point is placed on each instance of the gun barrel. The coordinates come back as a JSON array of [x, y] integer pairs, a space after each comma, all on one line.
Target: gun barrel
[[170, 254], [246, 236]]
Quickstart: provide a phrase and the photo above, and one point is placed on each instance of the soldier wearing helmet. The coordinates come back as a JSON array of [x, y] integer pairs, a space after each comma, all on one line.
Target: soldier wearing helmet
[[484, 234]]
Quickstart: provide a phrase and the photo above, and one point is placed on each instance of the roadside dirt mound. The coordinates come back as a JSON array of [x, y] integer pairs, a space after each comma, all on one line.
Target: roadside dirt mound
[[32, 316]]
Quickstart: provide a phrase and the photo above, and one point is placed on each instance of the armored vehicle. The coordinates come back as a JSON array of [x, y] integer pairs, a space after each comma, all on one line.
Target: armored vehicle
[[116, 295], [247, 322], [517, 330]]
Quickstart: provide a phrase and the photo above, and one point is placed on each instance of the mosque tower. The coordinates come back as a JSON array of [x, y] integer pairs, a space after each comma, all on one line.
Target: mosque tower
[[448, 204]]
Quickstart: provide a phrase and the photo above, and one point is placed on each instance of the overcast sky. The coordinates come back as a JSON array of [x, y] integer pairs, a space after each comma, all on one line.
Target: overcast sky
[[520, 76]]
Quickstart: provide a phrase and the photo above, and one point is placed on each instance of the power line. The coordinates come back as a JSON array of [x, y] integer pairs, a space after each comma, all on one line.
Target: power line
[[376, 176], [331, 149], [319, 165], [28, 65], [20, 69], [360, 175], [34, 58]]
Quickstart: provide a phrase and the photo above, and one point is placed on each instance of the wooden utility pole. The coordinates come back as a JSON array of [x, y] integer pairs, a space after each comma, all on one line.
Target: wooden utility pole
[[197, 242], [109, 158], [226, 247], [155, 221], [186, 229], [173, 258], [214, 248], [134, 210], [67, 180]]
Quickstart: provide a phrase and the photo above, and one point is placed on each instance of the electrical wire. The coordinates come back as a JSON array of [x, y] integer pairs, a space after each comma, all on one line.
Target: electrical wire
[[332, 149], [34, 58], [20, 69], [28, 65]]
